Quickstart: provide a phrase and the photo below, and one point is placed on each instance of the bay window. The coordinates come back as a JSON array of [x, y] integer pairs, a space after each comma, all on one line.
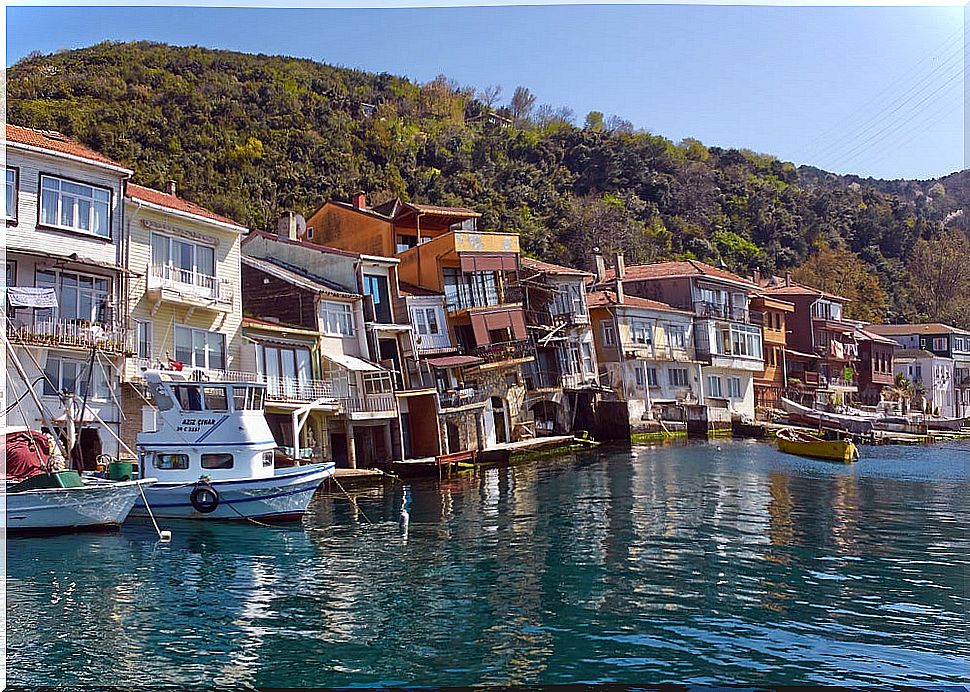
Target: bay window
[[74, 206]]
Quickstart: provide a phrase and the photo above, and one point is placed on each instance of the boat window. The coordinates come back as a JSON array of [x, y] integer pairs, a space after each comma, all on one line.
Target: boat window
[[216, 399], [268, 458], [217, 461], [257, 400], [171, 462], [239, 398], [189, 396]]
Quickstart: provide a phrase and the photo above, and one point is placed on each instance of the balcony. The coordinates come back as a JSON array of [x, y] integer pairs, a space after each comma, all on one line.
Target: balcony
[[704, 309], [508, 295], [371, 403], [61, 333], [507, 351], [554, 320], [537, 380], [456, 398], [189, 287]]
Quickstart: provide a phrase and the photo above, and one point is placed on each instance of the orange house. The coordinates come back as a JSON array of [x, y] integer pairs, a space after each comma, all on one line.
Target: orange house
[[771, 382]]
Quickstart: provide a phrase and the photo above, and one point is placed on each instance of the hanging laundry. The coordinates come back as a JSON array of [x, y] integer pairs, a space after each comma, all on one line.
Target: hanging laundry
[[31, 297]]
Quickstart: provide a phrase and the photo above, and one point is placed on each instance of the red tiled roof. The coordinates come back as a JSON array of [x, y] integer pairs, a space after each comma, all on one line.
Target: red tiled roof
[[663, 270], [550, 268], [452, 361], [607, 297], [55, 141], [163, 199], [905, 329], [406, 289], [797, 289]]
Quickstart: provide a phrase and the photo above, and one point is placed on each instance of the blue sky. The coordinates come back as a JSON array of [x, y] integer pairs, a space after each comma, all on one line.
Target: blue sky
[[866, 90]]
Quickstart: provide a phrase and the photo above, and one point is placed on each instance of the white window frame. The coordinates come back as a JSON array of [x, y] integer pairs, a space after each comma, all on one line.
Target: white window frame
[[680, 332], [714, 389], [424, 318], [218, 337], [95, 196], [653, 379], [100, 298], [12, 188], [143, 336], [194, 276], [336, 319], [734, 387], [678, 377], [609, 332], [640, 332], [100, 391]]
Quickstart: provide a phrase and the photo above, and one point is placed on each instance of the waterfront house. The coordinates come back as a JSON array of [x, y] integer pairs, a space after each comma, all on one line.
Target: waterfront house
[[65, 278], [941, 340], [565, 368], [822, 355], [875, 369], [183, 302], [931, 380], [770, 383], [727, 337], [645, 350], [367, 334], [440, 249]]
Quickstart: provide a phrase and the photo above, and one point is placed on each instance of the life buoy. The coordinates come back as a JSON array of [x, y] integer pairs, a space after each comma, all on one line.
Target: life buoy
[[204, 498]]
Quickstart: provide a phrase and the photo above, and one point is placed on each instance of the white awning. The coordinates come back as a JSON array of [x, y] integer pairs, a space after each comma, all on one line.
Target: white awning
[[350, 362]]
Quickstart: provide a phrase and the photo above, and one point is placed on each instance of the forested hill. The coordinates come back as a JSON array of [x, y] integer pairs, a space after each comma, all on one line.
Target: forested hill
[[252, 135]]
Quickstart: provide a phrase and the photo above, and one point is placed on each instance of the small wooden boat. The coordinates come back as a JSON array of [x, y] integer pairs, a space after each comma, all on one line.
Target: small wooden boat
[[804, 444]]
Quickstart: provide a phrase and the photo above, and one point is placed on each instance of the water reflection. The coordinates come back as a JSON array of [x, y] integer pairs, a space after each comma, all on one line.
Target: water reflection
[[699, 563]]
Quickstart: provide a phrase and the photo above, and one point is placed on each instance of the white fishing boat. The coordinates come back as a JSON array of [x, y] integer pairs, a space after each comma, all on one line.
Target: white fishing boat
[[797, 413], [41, 500], [213, 454]]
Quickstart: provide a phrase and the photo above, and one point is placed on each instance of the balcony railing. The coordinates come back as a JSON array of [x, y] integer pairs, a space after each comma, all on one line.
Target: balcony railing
[[195, 283], [552, 320], [69, 333], [509, 350], [722, 311], [542, 379], [462, 397], [371, 403]]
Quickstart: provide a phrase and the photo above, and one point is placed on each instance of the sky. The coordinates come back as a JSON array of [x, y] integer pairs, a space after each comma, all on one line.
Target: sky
[[874, 91]]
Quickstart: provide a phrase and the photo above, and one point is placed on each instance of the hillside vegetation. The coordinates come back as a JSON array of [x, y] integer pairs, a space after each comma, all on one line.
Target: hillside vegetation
[[252, 135]]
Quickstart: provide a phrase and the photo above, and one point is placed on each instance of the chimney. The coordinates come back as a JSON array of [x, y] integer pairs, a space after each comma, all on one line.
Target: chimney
[[620, 268], [756, 277], [788, 278], [286, 228], [600, 266], [359, 200], [170, 188]]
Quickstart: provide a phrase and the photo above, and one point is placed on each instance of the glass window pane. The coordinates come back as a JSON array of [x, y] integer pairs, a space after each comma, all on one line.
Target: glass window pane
[[205, 260], [216, 398], [159, 249], [75, 189], [217, 461], [216, 346], [183, 345], [50, 184], [48, 208], [84, 214], [100, 222], [67, 210]]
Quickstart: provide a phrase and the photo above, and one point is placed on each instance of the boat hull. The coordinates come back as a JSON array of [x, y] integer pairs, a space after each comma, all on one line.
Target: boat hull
[[842, 451], [281, 497], [91, 507]]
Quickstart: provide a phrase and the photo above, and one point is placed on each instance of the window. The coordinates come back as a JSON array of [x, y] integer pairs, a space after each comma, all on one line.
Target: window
[[677, 335], [200, 348], [376, 288], [651, 377], [217, 461], [377, 383], [189, 397], [183, 261], [739, 340], [83, 297], [640, 331], [171, 462], [336, 319], [143, 339], [268, 459], [638, 375], [677, 377], [714, 386], [569, 300], [609, 333], [215, 399], [470, 289], [734, 387], [939, 343], [10, 198], [426, 320], [247, 398], [11, 273], [588, 357], [74, 206], [65, 375], [309, 232]]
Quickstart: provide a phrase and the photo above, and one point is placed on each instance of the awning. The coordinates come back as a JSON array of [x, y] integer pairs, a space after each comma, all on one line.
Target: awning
[[350, 362], [452, 361], [802, 355], [484, 262]]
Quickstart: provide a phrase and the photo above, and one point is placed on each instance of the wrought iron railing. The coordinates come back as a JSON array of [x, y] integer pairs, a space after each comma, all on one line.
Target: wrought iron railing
[[722, 311], [509, 350], [462, 397], [70, 333]]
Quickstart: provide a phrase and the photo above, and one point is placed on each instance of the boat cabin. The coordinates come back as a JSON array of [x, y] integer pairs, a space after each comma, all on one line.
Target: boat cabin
[[201, 428]]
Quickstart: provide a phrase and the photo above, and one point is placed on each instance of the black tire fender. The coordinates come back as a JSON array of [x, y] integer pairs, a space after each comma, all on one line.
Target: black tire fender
[[204, 498]]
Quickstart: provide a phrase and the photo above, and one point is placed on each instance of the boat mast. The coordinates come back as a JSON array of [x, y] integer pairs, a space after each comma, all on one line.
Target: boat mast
[[33, 395]]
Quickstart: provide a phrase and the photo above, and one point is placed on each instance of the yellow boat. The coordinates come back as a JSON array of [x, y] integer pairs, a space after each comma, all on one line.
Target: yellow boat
[[807, 445]]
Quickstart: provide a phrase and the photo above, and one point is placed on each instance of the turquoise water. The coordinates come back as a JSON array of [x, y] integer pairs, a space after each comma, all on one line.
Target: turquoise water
[[722, 562]]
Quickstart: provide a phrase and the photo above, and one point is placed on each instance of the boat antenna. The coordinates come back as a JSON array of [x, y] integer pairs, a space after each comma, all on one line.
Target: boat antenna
[[40, 406]]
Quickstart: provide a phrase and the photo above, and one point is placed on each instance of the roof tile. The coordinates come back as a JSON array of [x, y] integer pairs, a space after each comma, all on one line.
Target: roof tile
[[56, 142]]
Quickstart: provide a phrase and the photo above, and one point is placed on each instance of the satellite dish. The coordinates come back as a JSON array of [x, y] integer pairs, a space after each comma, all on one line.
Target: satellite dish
[[300, 225]]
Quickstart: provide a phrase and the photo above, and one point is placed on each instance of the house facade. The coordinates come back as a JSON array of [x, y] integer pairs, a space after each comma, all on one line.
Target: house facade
[[65, 279], [943, 341], [565, 365], [770, 383], [645, 350], [184, 299], [726, 336]]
